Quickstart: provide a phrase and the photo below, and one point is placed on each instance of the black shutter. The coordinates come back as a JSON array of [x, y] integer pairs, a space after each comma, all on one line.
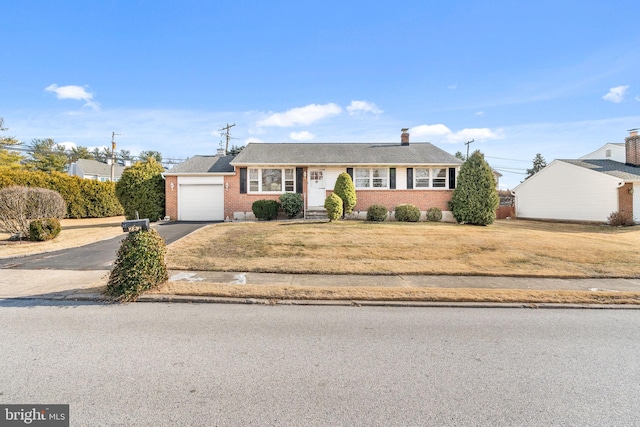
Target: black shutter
[[452, 178], [350, 172], [392, 178], [409, 178], [299, 180], [243, 180]]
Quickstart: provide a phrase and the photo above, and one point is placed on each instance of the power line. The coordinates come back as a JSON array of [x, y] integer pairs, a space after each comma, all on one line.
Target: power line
[[512, 160]]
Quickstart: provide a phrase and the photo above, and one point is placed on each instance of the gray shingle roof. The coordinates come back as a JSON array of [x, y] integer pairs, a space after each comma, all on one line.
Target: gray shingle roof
[[204, 164], [609, 167], [94, 167], [301, 154]]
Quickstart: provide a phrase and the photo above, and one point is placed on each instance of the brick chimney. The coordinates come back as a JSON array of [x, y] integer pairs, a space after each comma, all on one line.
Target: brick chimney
[[632, 148], [404, 138]]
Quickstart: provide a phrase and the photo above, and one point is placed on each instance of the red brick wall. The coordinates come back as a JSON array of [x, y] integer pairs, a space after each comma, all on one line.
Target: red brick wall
[[625, 199], [423, 199], [171, 201]]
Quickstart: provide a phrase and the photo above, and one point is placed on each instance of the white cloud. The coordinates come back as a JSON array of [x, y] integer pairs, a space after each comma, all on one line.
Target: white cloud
[[442, 133], [301, 136], [254, 140], [616, 94], [74, 92], [68, 145], [301, 115], [452, 87], [637, 98], [357, 107], [480, 113]]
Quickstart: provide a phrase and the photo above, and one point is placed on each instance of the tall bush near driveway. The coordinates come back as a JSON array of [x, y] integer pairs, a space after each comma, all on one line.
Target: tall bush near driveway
[[333, 205], [141, 189], [475, 198], [345, 189], [20, 205], [140, 265]]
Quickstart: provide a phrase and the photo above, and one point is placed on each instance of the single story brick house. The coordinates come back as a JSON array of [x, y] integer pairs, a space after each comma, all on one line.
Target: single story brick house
[[220, 187], [586, 189]]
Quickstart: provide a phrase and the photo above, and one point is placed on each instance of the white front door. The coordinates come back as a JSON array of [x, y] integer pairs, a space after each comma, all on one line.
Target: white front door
[[315, 184]]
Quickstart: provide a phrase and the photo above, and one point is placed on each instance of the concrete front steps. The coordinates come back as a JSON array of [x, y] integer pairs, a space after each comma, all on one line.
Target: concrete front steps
[[316, 213]]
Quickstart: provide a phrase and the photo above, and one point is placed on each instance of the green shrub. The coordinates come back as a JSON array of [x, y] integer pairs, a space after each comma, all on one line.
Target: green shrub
[[407, 213], [20, 205], [434, 214], [333, 205], [377, 213], [44, 229], [265, 209], [345, 189], [84, 198], [620, 219], [140, 265], [475, 198], [292, 204], [141, 189]]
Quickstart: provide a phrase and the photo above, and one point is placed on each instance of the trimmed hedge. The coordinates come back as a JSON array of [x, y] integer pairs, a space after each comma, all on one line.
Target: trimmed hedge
[[44, 229], [377, 213], [407, 213], [265, 209], [85, 198], [140, 265], [434, 214], [292, 204], [345, 189], [333, 205], [141, 190]]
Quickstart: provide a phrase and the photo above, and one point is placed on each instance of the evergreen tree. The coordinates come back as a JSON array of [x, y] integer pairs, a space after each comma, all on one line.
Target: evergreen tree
[[150, 154], [475, 198], [141, 189], [345, 189], [47, 156], [9, 157], [460, 156], [538, 164], [79, 152]]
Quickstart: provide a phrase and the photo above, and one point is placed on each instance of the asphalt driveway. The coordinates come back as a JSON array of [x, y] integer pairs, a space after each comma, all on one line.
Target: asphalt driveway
[[95, 256]]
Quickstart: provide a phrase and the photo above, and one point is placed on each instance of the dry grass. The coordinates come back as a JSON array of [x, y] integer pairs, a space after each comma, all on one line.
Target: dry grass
[[506, 248], [75, 232], [364, 293]]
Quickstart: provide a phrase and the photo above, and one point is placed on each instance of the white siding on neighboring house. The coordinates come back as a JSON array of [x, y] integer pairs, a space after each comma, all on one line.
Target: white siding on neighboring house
[[201, 198], [610, 151], [636, 202], [563, 191]]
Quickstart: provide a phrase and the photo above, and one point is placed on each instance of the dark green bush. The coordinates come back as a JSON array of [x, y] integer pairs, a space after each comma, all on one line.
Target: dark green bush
[[141, 189], [84, 198], [292, 204], [345, 189], [140, 265], [377, 213], [434, 214], [475, 199], [333, 205], [407, 213], [265, 209], [44, 229]]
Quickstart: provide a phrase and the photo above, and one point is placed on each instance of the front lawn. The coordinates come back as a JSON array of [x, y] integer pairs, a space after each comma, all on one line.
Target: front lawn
[[506, 248]]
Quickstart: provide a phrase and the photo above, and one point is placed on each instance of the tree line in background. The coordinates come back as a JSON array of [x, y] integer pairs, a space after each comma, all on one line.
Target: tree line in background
[[44, 154]]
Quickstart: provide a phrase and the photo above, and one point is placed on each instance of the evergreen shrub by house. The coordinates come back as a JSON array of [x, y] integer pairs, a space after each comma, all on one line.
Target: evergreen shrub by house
[[434, 214], [333, 205], [139, 266], [345, 189], [20, 205], [84, 198], [292, 204], [377, 213], [265, 209], [141, 189], [44, 229], [407, 213]]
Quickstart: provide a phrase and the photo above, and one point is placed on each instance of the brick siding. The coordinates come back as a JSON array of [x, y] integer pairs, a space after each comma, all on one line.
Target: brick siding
[[171, 197], [625, 199]]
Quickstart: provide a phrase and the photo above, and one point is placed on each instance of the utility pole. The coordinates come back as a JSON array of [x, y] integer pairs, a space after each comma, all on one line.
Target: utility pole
[[467, 144], [113, 155], [227, 135]]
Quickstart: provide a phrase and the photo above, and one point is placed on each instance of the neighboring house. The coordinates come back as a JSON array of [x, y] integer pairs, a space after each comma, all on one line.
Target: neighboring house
[[585, 189], [93, 169], [206, 188]]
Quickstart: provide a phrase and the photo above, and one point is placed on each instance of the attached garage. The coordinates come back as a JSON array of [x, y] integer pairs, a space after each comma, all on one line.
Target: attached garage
[[200, 202]]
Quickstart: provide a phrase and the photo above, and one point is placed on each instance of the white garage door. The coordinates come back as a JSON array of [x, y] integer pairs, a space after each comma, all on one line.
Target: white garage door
[[201, 202]]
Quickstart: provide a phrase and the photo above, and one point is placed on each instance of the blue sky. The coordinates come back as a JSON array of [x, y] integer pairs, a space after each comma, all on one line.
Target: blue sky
[[560, 78]]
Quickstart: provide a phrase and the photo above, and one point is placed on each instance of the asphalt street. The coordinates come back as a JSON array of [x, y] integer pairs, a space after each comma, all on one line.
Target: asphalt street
[[197, 364], [95, 256]]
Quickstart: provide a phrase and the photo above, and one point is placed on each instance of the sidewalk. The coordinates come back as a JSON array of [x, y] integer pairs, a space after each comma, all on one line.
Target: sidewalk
[[86, 286]]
